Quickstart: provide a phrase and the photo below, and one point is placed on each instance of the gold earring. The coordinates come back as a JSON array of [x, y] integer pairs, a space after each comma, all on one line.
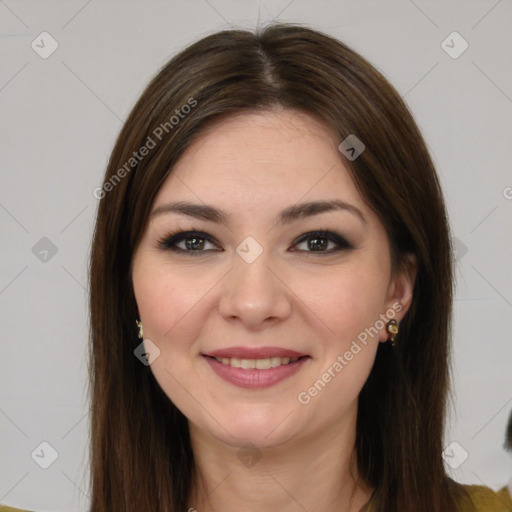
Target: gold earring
[[392, 329], [141, 332]]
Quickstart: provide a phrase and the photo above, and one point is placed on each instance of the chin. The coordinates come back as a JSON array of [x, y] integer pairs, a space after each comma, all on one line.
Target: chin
[[264, 427]]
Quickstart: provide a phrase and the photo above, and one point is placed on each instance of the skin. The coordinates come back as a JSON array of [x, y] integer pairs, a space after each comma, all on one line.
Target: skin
[[253, 166]]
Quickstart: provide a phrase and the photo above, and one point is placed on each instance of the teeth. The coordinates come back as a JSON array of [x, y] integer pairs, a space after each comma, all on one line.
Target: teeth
[[260, 364], [248, 364]]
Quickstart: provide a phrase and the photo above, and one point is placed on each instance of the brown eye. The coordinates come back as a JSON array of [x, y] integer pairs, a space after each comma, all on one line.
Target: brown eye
[[318, 242], [193, 242]]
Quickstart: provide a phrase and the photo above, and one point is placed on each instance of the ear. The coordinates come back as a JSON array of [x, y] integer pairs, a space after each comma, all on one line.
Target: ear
[[400, 290]]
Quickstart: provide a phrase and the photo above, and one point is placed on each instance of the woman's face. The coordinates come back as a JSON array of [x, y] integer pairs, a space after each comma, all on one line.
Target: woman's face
[[231, 306]]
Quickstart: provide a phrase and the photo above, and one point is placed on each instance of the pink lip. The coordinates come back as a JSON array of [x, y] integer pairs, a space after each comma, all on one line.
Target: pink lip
[[254, 353], [254, 378]]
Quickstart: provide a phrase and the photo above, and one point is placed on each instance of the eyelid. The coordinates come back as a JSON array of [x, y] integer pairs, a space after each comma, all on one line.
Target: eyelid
[[333, 236], [168, 242]]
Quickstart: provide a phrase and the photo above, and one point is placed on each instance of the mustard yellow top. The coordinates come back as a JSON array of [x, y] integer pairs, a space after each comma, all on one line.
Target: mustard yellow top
[[487, 500], [484, 500], [504, 496]]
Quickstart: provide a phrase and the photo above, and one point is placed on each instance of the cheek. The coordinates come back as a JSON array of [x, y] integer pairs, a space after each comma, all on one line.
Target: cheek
[[348, 306], [346, 301], [168, 302], [165, 298]]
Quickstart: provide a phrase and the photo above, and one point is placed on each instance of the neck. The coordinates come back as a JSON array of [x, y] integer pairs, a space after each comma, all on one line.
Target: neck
[[318, 472]]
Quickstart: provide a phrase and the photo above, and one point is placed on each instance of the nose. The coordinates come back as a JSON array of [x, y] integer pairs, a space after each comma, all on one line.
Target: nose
[[255, 294]]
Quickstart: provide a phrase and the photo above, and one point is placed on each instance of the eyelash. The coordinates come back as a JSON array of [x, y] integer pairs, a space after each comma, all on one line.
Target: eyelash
[[169, 241]]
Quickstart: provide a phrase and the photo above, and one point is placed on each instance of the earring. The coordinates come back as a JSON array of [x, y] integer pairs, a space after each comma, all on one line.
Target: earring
[[141, 332], [392, 329]]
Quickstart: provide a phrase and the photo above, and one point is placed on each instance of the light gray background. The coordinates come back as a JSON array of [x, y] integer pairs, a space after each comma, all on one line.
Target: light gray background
[[60, 117]]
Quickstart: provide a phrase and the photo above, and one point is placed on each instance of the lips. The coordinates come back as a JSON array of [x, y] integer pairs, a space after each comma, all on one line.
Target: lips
[[254, 353], [255, 368]]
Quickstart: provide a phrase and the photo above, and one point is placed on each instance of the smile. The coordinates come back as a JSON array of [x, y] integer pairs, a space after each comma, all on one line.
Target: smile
[[260, 364], [255, 373]]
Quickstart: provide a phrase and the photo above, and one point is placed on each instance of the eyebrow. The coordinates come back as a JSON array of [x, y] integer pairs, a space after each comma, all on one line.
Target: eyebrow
[[287, 216]]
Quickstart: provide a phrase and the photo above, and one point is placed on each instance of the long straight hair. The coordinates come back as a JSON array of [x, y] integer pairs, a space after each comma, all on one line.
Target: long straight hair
[[141, 458]]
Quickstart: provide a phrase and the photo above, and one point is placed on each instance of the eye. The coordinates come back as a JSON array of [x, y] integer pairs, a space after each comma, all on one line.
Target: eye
[[318, 241], [194, 242]]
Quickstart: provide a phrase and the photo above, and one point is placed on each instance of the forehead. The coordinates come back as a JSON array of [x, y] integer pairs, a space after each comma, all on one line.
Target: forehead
[[260, 159]]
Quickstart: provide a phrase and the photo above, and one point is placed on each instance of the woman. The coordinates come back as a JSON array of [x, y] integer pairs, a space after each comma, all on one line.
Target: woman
[[271, 290], [298, 359]]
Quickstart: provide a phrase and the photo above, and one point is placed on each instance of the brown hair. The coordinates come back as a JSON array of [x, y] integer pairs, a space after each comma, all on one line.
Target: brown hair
[[141, 457]]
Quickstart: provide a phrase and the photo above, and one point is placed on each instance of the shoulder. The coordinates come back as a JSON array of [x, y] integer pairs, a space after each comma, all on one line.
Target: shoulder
[[485, 499], [5, 508], [505, 496], [478, 498]]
